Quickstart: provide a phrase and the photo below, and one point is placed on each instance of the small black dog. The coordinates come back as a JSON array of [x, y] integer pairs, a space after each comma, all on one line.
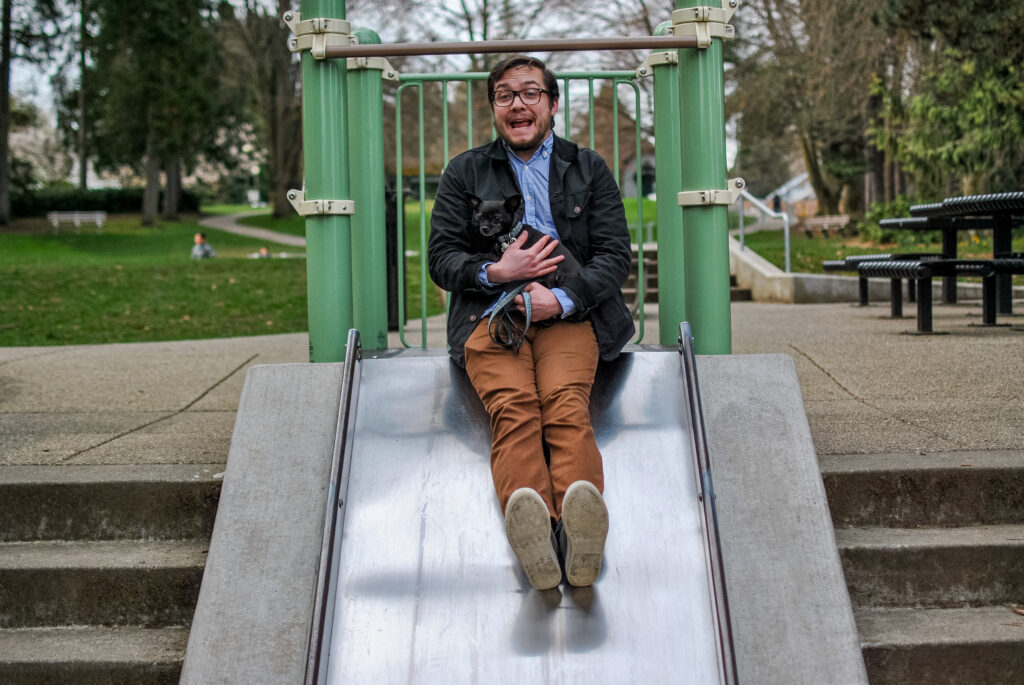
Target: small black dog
[[495, 220]]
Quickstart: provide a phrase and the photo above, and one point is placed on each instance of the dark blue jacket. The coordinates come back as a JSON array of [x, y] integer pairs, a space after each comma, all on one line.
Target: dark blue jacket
[[588, 213]]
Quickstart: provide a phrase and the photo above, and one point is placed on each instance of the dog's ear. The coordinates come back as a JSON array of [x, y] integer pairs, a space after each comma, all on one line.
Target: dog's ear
[[474, 202], [512, 203]]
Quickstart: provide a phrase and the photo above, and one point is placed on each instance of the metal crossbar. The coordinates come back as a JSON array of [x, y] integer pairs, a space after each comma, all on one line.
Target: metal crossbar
[[511, 46]]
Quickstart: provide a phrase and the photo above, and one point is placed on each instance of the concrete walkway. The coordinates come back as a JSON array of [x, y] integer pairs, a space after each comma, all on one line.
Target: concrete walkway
[[877, 400], [229, 223], [867, 387]]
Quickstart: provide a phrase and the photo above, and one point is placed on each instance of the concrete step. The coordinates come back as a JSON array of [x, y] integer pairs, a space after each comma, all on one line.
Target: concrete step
[[933, 567], [100, 583], [974, 646], [947, 489], [650, 294], [108, 502], [740, 295], [90, 655]]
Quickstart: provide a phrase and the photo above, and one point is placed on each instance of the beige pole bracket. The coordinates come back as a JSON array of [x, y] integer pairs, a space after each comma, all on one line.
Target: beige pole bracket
[[382, 63], [646, 67], [697, 198], [316, 35], [705, 23], [306, 207]]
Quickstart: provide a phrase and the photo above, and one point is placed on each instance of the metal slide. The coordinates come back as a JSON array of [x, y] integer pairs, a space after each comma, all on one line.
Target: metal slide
[[419, 584]]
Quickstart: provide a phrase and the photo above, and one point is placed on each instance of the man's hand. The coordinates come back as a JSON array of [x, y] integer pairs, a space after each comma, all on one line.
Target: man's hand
[[544, 304], [520, 263]]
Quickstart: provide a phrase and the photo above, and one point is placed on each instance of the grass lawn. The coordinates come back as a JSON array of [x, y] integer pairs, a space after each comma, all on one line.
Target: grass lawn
[[132, 284], [231, 209], [296, 225], [807, 253]]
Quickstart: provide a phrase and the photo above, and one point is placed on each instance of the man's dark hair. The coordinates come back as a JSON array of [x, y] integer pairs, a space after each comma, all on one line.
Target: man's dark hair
[[550, 83]]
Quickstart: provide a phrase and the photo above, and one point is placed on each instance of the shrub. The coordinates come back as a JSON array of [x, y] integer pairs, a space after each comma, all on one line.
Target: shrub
[[869, 229], [31, 203]]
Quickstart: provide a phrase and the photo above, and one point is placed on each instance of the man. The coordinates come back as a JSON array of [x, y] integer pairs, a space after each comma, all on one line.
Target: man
[[538, 397]]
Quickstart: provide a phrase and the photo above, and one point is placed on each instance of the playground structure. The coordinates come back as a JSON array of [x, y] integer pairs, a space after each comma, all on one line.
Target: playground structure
[[355, 539], [344, 210]]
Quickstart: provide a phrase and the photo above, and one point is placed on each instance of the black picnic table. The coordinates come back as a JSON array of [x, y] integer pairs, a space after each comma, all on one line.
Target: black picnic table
[[998, 212], [924, 269]]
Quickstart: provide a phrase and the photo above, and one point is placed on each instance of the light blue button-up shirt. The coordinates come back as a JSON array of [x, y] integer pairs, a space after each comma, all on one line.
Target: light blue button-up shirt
[[533, 182]]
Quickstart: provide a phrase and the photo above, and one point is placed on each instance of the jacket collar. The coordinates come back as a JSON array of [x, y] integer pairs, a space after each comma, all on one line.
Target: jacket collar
[[563, 149]]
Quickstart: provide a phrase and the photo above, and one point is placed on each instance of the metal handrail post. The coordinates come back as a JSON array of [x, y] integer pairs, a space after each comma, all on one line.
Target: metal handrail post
[[366, 169], [641, 276], [706, 231], [743, 217], [766, 210], [325, 150], [668, 179]]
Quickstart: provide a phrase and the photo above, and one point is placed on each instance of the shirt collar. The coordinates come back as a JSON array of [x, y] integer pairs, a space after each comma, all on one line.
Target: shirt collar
[[545, 149]]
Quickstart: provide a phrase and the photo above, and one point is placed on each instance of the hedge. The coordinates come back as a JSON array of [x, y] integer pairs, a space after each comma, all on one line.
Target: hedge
[[111, 200]]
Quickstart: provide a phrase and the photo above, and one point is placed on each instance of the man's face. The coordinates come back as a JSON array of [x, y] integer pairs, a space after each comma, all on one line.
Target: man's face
[[524, 127]]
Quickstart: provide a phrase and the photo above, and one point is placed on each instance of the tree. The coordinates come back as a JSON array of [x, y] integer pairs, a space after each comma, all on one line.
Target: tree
[[267, 83], [29, 29], [808, 63], [157, 88], [958, 126]]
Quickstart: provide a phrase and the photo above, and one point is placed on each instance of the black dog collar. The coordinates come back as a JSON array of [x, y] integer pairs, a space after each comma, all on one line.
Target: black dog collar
[[510, 237]]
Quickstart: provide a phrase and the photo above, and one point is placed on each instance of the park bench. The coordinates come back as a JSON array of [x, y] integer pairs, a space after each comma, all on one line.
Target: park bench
[[924, 270], [850, 263], [76, 218], [827, 225]]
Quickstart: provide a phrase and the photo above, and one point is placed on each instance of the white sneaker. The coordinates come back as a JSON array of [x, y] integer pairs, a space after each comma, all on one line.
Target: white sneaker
[[528, 527], [585, 526]]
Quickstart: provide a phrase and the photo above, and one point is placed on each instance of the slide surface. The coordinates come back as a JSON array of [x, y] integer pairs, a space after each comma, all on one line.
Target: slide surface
[[428, 590]]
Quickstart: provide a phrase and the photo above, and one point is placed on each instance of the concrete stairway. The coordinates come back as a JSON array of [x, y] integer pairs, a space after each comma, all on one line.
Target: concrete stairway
[[650, 273], [933, 552], [100, 568]]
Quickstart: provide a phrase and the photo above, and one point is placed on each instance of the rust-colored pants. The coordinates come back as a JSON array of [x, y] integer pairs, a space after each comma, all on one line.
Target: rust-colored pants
[[539, 396]]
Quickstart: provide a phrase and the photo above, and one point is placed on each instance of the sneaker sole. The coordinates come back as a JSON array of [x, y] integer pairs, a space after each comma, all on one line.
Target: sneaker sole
[[585, 522], [528, 527]]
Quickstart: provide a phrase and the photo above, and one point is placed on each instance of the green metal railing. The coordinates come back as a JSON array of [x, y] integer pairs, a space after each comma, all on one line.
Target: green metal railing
[[418, 83], [345, 262]]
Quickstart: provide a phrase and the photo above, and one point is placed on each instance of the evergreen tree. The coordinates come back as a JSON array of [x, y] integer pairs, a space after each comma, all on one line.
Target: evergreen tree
[[29, 30], [156, 90], [959, 128]]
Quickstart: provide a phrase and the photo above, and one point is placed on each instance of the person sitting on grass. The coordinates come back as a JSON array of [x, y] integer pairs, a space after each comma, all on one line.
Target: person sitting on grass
[[201, 249]]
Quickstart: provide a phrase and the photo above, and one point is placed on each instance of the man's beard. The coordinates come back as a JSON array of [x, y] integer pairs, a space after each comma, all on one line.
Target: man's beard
[[533, 143]]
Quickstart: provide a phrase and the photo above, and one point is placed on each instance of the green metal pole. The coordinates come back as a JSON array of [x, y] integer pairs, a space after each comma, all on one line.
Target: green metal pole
[[325, 148], [668, 170], [706, 235], [366, 168]]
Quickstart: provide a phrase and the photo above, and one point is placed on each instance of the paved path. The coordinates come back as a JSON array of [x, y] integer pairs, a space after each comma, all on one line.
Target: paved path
[[867, 387], [229, 223]]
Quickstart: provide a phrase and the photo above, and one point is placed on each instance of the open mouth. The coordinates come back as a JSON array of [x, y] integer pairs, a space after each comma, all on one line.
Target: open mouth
[[520, 123]]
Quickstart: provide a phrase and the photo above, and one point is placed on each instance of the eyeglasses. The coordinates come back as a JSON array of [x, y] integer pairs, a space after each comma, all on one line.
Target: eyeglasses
[[529, 96]]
